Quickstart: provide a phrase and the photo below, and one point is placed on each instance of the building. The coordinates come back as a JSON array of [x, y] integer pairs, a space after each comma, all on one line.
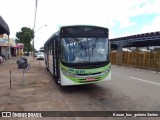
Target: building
[[5, 46], [8, 46], [19, 49], [4, 39]]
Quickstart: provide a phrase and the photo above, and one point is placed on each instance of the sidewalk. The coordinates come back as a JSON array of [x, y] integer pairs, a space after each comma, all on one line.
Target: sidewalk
[[38, 94]]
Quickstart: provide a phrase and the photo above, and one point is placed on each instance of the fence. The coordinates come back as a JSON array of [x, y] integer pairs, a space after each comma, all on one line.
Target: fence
[[138, 59]]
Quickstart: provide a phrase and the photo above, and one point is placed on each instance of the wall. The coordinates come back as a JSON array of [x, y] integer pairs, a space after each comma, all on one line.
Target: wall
[[138, 59]]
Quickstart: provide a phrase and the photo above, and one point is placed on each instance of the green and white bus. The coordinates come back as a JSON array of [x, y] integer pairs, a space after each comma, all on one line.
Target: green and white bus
[[77, 55]]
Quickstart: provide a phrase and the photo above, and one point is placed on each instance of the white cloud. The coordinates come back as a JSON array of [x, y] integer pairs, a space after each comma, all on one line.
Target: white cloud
[[54, 13], [17, 14], [102, 12], [153, 27]]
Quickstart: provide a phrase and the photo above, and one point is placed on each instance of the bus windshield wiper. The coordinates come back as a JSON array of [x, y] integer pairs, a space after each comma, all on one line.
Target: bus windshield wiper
[[76, 40]]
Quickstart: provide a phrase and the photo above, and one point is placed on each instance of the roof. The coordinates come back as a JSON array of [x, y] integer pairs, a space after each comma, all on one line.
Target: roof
[[140, 40], [4, 29], [12, 42]]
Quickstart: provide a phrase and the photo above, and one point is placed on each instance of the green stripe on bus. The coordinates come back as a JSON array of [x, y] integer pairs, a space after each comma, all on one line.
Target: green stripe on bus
[[71, 72]]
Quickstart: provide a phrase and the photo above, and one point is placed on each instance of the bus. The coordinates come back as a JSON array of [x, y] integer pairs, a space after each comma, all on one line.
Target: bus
[[79, 54]]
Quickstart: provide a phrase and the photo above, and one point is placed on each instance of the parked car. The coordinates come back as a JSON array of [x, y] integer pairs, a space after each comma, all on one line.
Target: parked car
[[1, 59], [40, 55]]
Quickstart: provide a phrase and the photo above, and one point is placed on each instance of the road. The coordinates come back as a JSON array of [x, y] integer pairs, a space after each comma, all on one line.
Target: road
[[129, 90]]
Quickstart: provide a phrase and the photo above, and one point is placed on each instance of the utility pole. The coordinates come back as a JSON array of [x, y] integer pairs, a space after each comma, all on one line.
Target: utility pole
[[35, 15], [34, 35]]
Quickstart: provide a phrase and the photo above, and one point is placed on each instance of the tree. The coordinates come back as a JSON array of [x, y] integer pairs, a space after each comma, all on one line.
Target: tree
[[25, 36]]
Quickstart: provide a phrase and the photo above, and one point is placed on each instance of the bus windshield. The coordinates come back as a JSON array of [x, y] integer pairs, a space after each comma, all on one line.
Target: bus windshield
[[82, 50]]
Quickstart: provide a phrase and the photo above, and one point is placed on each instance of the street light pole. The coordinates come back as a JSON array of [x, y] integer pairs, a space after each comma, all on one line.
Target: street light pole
[[34, 31], [34, 25], [33, 44], [39, 28]]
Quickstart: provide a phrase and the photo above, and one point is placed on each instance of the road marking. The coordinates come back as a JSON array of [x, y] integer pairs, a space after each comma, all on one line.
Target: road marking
[[145, 80]]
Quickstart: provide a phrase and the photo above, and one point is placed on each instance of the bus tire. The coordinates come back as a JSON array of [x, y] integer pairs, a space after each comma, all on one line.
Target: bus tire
[[57, 81], [47, 68]]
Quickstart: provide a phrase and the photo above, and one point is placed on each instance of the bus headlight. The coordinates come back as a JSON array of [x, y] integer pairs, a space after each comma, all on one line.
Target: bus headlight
[[106, 71], [65, 72]]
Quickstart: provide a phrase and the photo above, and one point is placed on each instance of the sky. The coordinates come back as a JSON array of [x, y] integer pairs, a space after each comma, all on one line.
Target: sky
[[122, 17]]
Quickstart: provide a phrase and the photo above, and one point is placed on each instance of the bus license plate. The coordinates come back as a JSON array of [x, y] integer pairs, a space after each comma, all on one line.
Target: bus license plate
[[90, 79]]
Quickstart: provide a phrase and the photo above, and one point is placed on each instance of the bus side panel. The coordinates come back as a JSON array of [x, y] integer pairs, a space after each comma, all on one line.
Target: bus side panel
[[46, 56], [46, 59], [51, 63]]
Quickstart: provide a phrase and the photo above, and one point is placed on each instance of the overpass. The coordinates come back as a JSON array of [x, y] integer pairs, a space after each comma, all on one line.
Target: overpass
[[139, 40]]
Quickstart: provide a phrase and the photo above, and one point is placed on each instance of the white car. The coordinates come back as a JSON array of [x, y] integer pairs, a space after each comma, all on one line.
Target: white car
[[40, 55], [1, 59]]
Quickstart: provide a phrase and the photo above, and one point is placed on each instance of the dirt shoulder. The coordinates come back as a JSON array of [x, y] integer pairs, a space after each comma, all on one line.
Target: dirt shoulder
[[38, 94]]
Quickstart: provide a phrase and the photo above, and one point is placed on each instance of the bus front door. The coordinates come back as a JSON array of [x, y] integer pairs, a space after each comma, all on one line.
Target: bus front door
[[56, 73]]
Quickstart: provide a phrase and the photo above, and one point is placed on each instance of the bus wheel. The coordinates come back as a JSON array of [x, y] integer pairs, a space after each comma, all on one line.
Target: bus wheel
[[57, 81], [47, 68]]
